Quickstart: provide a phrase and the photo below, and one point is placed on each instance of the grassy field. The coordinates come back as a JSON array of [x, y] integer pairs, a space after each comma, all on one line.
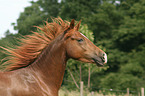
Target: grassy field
[[86, 93], [65, 92], [75, 93]]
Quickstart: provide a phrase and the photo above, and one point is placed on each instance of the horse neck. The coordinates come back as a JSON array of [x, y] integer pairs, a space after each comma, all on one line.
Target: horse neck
[[51, 64]]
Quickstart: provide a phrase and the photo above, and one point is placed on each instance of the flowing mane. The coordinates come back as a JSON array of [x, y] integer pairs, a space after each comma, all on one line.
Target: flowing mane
[[32, 45]]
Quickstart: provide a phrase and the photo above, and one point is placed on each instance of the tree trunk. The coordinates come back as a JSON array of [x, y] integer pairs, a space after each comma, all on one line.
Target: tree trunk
[[89, 76], [80, 72], [73, 78]]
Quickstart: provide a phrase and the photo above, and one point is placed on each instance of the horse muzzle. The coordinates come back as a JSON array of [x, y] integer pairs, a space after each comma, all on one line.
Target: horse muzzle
[[100, 61]]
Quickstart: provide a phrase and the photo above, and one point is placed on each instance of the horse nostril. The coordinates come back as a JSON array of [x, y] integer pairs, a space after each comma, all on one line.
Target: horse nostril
[[104, 58]]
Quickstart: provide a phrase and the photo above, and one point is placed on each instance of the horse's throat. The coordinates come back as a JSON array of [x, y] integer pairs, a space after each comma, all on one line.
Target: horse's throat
[[51, 66], [56, 67]]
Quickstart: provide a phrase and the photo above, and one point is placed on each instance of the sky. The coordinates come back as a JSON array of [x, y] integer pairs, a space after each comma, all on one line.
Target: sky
[[9, 13]]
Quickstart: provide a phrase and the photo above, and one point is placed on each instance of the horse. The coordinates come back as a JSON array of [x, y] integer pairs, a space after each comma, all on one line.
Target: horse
[[37, 66]]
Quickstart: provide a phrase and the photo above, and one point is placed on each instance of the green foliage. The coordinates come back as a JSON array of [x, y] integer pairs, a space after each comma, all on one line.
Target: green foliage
[[104, 21], [130, 35], [49, 7], [32, 16], [78, 9], [121, 81]]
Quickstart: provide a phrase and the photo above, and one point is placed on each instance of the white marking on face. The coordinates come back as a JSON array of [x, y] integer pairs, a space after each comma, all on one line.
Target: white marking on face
[[83, 35], [105, 56]]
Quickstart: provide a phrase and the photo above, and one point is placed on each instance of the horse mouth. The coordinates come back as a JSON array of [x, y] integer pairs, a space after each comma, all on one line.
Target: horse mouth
[[98, 63]]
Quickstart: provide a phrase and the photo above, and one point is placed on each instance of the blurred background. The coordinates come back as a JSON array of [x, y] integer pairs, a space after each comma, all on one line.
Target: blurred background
[[115, 26]]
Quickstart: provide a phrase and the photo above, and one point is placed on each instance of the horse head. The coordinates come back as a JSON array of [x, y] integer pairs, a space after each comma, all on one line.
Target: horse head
[[79, 47]]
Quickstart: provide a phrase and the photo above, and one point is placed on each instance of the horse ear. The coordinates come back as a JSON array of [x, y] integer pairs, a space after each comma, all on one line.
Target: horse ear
[[78, 25], [72, 23]]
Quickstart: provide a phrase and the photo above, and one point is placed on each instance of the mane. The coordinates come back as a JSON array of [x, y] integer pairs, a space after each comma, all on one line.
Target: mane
[[32, 45]]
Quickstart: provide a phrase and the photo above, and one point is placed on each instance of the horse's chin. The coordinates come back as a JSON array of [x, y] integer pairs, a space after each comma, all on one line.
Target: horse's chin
[[98, 63], [95, 61]]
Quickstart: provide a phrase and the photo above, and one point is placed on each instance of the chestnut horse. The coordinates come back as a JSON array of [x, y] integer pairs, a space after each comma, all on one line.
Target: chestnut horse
[[37, 66]]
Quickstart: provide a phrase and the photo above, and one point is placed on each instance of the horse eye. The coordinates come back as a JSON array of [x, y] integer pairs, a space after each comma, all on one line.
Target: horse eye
[[80, 40]]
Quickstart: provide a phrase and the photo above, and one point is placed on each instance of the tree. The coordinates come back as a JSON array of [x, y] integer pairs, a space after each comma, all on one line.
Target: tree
[[36, 14], [78, 9], [128, 46], [104, 21], [32, 16], [49, 8]]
